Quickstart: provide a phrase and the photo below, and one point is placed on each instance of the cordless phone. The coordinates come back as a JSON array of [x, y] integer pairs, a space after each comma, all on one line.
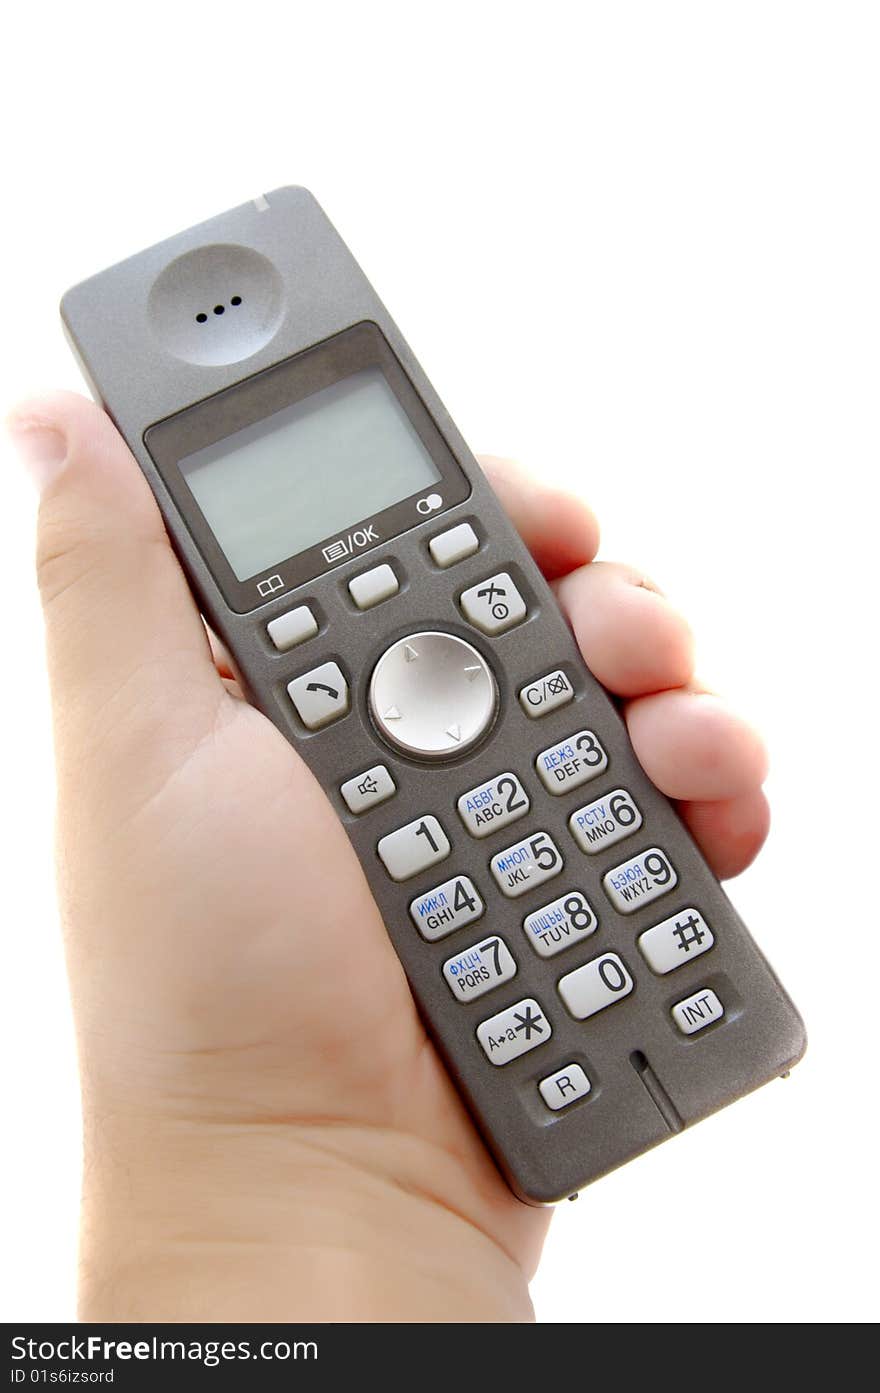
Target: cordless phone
[[588, 983]]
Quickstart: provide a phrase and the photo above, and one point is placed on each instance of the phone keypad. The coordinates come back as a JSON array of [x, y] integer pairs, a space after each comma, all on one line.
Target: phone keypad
[[479, 969], [513, 1032], [493, 805], [413, 848], [526, 864], [605, 821], [571, 762], [434, 696]]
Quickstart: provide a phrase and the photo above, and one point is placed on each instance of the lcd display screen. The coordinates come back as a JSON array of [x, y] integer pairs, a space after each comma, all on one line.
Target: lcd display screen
[[309, 471]]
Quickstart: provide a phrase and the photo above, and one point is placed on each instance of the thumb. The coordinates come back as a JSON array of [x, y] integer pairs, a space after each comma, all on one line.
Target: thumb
[[125, 641]]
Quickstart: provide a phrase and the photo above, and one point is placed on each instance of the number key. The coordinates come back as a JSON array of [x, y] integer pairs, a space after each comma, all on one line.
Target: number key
[[413, 848], [447, 907], [594, 986], [606, 821], [493, 805], [479, 969], [526, 864], [571, 762], [638, 881]]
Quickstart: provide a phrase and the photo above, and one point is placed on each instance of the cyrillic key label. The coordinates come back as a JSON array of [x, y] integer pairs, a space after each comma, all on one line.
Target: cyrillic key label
[[595, 985], [571, 763], [514, 1032], [493, 805], [558, 925], [636, 882], [526, 864], [478, 969], [447, 907], [675, 941], [608, 820], [697, 1011]]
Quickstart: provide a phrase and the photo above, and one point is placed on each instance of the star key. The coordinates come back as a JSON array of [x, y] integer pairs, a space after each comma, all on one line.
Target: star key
[[528, 1022]]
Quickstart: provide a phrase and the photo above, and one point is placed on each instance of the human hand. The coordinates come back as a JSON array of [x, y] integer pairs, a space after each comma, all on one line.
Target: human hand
[[245, 1156]]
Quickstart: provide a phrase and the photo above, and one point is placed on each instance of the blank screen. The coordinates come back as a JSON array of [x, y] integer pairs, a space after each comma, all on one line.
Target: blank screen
[[308, 471]]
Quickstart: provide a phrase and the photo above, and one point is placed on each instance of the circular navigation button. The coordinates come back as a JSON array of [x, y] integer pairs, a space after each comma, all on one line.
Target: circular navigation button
[[432, 695]]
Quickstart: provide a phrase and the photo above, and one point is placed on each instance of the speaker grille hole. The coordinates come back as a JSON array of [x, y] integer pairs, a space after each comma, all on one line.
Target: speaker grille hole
[[236, 300], [201, 318]]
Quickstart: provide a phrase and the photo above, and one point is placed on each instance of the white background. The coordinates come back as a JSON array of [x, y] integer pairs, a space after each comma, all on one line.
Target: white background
[[637, 246]]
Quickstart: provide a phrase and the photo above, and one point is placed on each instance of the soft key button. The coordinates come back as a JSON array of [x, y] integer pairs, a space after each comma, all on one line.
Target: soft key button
[[564, 1087], [373, 586], [320, 696], [595, 985], [446, 908], [454, 545], [494, 605], [604, 822], [478, 969], [493, 804], [366, 790], [675, 941], [292, 628], [526, 864], [543, 696], [513, 1032], [571, 762], [413, 848], [558, 925]]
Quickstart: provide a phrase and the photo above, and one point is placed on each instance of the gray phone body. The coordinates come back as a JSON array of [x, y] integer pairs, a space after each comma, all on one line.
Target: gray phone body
[[167, 367]]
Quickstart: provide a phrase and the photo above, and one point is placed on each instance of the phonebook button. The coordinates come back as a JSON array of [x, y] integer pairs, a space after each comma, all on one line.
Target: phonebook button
[[292, 628]]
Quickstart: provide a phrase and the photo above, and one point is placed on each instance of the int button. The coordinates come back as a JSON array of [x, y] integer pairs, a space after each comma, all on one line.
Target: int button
[[432, 695]]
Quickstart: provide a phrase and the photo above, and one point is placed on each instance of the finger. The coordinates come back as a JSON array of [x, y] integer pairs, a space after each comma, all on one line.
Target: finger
[[731, 831], [558, 528], [631, 637], [119, 616], [693, 747]]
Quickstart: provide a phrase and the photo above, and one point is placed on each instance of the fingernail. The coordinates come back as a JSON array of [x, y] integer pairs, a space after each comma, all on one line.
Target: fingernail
[[42, 449]]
